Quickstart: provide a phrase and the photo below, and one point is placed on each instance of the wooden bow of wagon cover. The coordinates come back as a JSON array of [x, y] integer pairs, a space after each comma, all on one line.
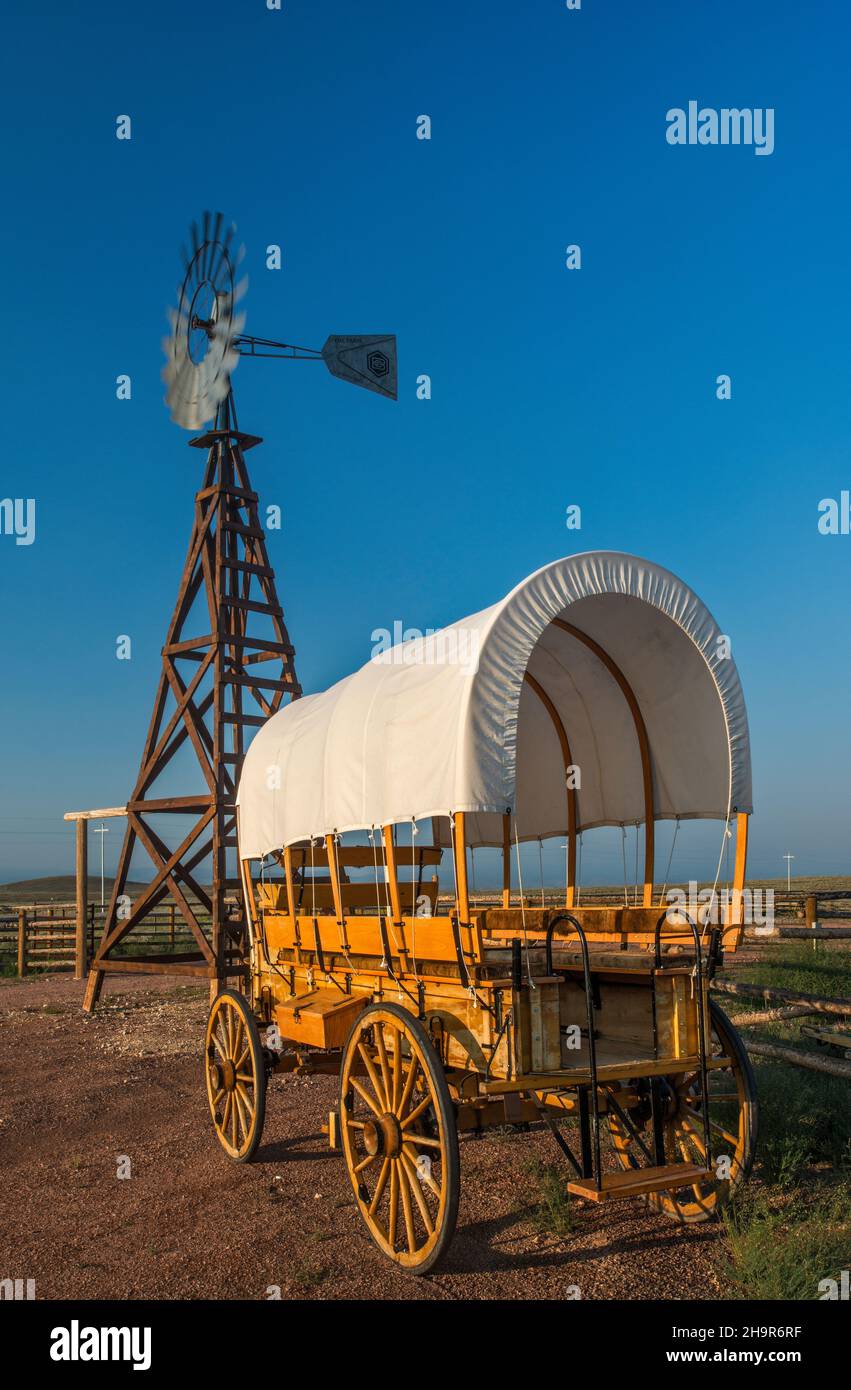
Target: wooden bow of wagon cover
[[600, 691]]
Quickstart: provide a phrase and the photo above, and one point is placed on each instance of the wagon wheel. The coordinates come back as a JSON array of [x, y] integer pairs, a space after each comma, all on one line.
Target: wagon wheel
[[399, 1136], [236, 1075], [733, 1113]]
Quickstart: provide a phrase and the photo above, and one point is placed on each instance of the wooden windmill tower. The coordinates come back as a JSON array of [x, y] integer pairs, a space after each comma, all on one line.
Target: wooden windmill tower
[[221, 678]]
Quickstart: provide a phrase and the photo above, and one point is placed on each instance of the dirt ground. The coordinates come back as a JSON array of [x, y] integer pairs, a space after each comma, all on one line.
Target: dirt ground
[[78, 1092]]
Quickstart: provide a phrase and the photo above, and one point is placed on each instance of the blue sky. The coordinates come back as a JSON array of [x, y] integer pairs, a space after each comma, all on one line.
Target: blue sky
[[550, 387]]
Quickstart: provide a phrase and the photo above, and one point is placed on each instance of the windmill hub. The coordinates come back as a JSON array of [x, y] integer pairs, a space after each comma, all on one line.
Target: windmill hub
[[203, 315]]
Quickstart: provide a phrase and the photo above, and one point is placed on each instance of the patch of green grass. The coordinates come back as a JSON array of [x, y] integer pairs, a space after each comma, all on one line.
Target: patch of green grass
[[307, 1276], [794, 965], [551, 1209], [784, 1251], [804, 1116], [804, 1120]]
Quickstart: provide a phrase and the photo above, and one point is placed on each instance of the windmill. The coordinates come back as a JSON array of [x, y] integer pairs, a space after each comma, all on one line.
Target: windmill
[[218, 685]]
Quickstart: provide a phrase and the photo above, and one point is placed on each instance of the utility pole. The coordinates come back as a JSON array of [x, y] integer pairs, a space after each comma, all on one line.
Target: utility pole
[[788, 858]]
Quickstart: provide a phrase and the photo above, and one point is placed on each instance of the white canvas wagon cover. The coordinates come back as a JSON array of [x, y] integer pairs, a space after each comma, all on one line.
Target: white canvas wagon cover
[[449, 723]]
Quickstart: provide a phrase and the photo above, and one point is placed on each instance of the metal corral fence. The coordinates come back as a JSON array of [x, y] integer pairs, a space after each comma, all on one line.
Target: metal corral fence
[[45, 936]]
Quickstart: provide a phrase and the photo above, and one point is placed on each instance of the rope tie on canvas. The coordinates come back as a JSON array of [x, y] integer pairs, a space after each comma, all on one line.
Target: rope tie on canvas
[[670, 859], [344, 945]]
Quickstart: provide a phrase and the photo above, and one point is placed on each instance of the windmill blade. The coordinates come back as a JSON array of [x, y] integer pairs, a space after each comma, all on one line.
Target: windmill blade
[[365, 360]]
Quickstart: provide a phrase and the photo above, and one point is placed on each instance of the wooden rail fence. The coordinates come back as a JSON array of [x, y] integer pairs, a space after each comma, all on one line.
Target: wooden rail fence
[[47, 936]]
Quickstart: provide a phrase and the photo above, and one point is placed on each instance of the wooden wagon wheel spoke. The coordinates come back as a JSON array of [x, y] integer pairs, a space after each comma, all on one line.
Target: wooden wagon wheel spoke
[[365, 1096], [373, 1076], [694, 1136], [397, 1070], [244, 1099], [385, 1068], [242, 1112], [417, 1191], [392, 1085], [697, 1119], [414, 1114], [688, 1157], [236, 1075], [409, 1086], [425, 1175], [380, 1186], [407, 1207], [394, 1205]]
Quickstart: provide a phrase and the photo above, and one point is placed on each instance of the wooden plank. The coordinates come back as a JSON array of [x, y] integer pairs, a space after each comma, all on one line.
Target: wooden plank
[[317, 895], [432, 936], [638, 1182], [363, 856], [163, 965], [171, 803], [615, 1071], [258, 682], [239, 529], [246, 605]]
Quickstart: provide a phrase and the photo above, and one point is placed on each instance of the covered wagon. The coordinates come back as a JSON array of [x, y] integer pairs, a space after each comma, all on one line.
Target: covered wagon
[[600, 691]]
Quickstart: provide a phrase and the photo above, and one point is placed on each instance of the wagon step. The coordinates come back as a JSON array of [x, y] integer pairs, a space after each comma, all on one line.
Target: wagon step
[[637, 1182]]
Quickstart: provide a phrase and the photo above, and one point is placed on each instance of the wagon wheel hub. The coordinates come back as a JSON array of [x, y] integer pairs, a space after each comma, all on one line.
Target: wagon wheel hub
[[383, 1135], [223, 1075]]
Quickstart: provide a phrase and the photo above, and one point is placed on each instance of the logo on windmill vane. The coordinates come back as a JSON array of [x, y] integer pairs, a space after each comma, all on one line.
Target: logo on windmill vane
[[378, 362]]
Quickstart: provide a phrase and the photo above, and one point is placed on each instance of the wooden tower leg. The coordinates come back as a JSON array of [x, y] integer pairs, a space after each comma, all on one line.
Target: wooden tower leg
[[206, 676], [82, 898]]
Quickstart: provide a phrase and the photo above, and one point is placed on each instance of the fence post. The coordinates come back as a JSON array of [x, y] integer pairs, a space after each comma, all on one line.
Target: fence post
[[82, 897], [810, 914], [22, 941], [171, 924]]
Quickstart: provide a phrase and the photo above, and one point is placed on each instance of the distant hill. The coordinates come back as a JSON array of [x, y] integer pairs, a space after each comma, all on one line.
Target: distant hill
[[61, 888]]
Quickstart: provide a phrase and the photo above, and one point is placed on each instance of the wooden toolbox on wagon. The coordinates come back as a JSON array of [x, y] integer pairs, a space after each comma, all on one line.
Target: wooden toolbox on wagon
[[322, 1017]]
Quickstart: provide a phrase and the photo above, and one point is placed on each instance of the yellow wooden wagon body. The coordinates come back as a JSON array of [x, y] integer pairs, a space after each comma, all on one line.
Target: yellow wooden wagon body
[[598, 692]]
